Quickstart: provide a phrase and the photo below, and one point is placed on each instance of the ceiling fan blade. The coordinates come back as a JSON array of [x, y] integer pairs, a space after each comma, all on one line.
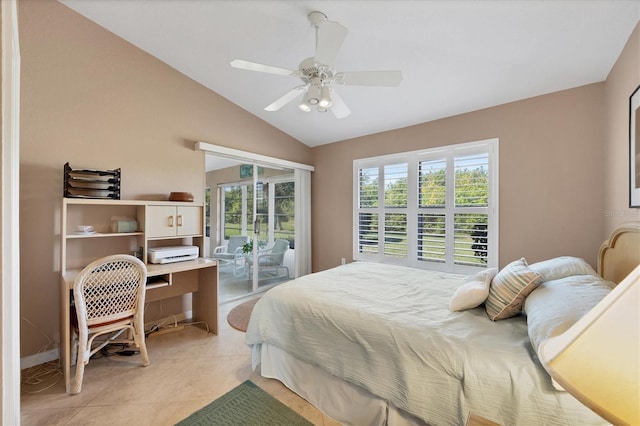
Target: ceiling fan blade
[[329, 37], [285, 99], [339, 108], [370, 78], [253, 66]]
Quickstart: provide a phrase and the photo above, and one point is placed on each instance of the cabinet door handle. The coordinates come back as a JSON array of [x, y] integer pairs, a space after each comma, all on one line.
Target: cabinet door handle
[[179, 220], [170, 221]]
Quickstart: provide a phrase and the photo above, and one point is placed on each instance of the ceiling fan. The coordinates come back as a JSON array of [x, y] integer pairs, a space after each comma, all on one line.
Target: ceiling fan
[[318, 73]]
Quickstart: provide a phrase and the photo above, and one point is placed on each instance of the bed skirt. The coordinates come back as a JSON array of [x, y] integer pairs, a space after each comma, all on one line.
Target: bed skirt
[[344, 402]]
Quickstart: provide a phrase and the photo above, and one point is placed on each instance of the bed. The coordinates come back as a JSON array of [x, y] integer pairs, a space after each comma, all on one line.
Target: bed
[[369, 343]]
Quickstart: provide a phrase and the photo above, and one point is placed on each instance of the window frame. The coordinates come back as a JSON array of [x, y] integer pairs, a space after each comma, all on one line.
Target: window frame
[[412, 210], [246, 222]]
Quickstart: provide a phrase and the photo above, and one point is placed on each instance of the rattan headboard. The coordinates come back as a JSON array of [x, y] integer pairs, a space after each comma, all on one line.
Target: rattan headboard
[[620, 254]]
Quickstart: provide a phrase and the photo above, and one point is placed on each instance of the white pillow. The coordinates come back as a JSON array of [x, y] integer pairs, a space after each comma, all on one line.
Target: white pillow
[[473, 292], [562, 267]]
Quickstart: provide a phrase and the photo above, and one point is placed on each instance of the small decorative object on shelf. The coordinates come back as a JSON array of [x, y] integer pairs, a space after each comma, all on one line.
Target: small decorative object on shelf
[[91, 183], [123, 224], [181, 196]]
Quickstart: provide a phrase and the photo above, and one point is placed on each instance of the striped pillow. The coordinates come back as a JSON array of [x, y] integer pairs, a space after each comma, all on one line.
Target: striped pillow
[[509, 289]]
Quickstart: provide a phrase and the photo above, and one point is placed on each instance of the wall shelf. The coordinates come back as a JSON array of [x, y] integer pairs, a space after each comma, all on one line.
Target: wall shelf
[[104, 235], [158, 281]]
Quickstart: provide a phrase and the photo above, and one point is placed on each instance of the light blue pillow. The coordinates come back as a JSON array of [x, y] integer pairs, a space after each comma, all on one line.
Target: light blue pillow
[[556, 305]]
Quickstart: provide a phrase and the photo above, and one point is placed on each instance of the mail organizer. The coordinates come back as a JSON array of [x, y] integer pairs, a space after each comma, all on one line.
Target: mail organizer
[[91, 183]]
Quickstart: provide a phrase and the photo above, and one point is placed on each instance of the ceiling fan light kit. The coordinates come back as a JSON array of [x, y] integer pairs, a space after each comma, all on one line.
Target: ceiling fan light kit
[[313, 94], [304, 106], [318, 73], [325, 98], [317, 95]]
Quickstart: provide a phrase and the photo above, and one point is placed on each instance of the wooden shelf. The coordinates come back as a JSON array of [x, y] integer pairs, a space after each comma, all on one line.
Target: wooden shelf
[[158, 282], [105, 202], [104, 235]]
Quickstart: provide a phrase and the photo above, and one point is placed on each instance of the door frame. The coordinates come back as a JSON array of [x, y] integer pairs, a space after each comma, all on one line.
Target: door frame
[[303, 257], [10, 222], [251, 157], [271, 181], [266, 235]]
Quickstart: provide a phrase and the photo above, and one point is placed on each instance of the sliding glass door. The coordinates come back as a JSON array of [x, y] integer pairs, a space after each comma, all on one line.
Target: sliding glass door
[[257, 214], [266, 194], [273, 256]]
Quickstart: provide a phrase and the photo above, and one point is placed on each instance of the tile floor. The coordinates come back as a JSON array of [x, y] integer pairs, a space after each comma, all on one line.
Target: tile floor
[[189, 368], [233, 287]]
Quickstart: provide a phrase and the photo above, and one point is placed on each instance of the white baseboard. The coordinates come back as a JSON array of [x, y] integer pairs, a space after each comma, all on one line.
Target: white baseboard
[[53, 354], [39, 358]]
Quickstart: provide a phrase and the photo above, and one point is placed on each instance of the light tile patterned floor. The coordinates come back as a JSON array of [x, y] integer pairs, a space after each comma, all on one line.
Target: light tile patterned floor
[[189, 368], [232, 286]]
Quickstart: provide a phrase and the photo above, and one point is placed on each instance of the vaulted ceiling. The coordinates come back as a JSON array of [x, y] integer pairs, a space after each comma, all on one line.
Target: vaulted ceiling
[[455, 56]]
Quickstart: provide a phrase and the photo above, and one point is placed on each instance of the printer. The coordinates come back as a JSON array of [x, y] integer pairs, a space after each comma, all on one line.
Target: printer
[[172, 254]]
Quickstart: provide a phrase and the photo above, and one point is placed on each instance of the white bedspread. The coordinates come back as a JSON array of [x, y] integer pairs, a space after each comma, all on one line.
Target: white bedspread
[[388, 329]]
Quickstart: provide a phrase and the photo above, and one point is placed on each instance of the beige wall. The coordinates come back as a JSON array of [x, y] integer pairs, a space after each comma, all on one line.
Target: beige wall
[[623, 79], [564, 164], [94, 100], [551, 174]]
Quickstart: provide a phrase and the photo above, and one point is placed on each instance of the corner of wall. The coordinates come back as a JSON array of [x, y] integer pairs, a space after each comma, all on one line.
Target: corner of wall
[[622, 80]]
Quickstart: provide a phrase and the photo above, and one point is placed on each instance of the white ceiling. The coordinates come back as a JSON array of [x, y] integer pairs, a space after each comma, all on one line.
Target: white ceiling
[[456, 56]]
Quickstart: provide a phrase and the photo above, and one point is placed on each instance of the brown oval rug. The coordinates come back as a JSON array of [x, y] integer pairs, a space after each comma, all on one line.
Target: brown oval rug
[[238, 317]]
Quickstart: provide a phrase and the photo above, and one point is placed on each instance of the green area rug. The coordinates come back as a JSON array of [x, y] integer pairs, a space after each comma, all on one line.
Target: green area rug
[[245, 405]]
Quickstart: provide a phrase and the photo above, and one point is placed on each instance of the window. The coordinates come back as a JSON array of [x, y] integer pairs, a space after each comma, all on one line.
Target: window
[[284, 211], [435, 209], [275, 207], [233, 203]]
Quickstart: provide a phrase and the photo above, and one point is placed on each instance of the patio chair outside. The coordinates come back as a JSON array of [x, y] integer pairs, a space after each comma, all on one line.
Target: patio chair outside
[[232, 252], [270, 258]]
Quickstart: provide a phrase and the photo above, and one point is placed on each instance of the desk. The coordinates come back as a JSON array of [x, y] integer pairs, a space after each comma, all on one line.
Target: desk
[[199, 277]]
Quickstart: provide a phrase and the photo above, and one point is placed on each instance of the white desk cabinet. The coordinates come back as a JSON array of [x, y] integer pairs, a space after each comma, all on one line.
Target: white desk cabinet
[[163, 221], [159, 223]]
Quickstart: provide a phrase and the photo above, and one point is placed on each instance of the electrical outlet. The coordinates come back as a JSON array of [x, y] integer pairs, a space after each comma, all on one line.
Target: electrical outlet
[[343, 261]]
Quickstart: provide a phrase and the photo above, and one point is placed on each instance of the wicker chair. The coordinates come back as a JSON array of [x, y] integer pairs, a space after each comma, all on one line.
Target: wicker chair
[[109, 299]]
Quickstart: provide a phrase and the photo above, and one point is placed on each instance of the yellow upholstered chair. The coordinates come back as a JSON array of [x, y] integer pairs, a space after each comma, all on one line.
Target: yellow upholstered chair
[[109, 300]]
